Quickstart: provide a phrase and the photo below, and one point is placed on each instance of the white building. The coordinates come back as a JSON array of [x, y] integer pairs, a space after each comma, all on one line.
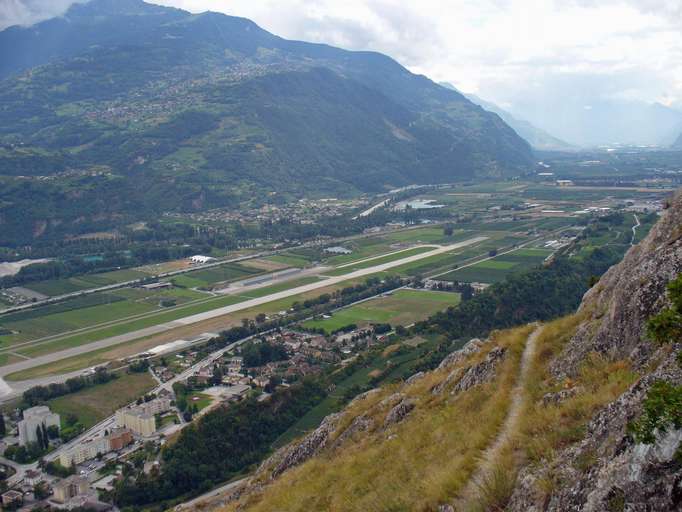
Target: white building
[[338, 250], [34, 418], [141, 418], [200, 260]]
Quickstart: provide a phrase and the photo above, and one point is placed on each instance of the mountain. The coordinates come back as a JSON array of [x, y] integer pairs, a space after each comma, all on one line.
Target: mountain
[[580, 413], [536, 137], [121, 110], [678, 143], [584, 120]]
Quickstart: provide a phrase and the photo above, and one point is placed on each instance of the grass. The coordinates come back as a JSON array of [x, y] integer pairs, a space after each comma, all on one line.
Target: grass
[[290, 259], [402, 307], [129, 326], [545, 429], [417, 464], [61, 286], [99, 356], [496, 269], [201, 400], [346, 269], [89, 311], [94, 404], [280, 287], [210, 276]]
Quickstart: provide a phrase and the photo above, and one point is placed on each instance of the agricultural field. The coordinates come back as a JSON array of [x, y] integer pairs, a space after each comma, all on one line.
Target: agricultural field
[[379, 260], [403, 307], [221, 274], [55, 287], [280, 287], [88, 311], [496, 269], [93, 404]]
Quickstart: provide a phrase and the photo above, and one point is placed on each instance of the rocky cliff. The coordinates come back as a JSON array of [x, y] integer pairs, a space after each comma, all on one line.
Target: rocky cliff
[[625, 475]]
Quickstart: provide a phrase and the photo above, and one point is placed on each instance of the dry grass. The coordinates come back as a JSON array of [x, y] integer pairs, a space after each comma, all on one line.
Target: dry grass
[[546, 429], [415, 465]]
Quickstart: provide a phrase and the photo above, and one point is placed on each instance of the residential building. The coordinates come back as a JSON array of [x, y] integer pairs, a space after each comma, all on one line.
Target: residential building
[[34, 418], [141, 418], [12, 499], [118, 439], [69, 488], [83, 451]]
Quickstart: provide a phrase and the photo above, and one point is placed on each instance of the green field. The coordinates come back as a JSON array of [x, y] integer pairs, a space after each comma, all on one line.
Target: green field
[[280, 287], [290, 259], [380, 260], [93, 404], [220, 274], [402, 307], [129, 326], [496, 269], [73, 284], [201, 400], [88, 311]]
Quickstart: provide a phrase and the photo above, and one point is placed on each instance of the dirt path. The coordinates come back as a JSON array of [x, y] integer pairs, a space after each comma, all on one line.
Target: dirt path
[[491, 455]]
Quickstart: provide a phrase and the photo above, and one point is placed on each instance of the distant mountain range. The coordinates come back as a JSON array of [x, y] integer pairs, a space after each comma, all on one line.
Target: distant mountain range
[[678, 143], [584, 120], [536, 137], [121, 108]]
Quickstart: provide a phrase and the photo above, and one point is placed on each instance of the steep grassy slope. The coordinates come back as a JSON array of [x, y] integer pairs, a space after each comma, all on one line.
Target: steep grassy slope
[[483, 432]]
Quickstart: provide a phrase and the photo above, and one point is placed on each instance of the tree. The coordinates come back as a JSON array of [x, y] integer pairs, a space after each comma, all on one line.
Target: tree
[[39, 437], [260, 318], [46, 438], [448, 230], [3, 429]]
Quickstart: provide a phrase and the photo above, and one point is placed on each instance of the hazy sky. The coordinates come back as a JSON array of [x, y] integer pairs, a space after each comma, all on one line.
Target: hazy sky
[[499, 49]]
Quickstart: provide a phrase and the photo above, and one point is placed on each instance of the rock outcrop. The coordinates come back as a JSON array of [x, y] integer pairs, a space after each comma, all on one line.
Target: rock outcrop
[[480, 373], [607, 470], [629, 293]]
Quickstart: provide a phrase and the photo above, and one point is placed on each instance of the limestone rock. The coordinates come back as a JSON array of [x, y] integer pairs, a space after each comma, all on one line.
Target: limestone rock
[[399, 412], [480, 373]]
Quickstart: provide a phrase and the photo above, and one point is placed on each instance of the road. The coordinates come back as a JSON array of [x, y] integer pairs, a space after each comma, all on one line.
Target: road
[[9, 390], [634, 230]]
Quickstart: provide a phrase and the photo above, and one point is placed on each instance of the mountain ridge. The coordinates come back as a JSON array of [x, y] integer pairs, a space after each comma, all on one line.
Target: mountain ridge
[[536, 137], [157, 104]]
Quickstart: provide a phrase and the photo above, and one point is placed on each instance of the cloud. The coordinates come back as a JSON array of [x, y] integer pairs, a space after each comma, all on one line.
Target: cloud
[[503, 50], [28, 12]]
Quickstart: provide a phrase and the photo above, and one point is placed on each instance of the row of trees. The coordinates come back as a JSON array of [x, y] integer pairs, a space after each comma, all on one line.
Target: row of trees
[[41, 394]]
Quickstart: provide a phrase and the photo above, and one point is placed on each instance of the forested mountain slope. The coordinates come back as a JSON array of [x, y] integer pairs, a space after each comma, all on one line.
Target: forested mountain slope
[[122, 109], [580, 413]]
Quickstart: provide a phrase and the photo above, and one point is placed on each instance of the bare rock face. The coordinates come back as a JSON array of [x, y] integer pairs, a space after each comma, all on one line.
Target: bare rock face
[[310, 446], [480, 373], [471, 347], [607, 470], [560, 396], [629, 293], [452, 377], [360, 424], [399, 412], [415, 377]]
